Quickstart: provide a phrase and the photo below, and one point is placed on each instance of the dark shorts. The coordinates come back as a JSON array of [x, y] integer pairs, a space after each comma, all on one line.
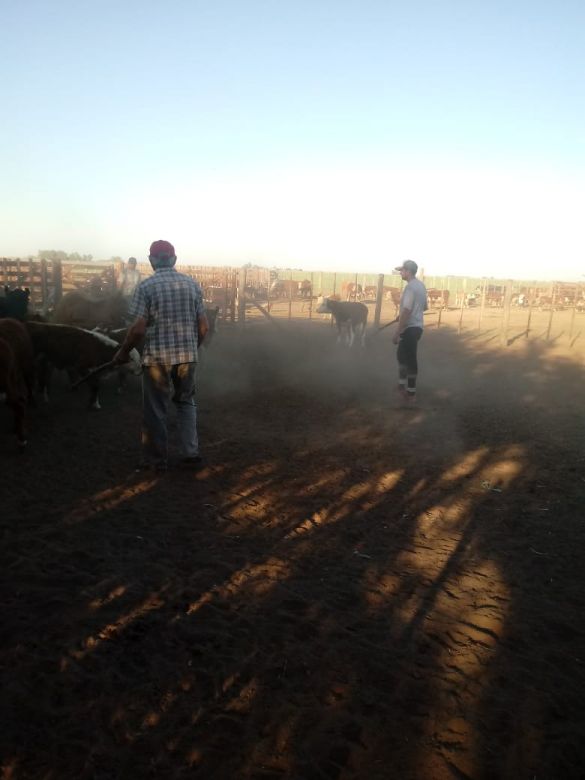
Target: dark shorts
[[407, 348]]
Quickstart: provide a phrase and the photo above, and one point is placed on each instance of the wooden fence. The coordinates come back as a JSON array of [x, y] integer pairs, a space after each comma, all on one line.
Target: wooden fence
[[49, 280], [242, 293]]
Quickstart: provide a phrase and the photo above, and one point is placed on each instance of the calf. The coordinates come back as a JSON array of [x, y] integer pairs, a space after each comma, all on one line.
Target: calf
[[350, 314], [16, 371], [75, 349]]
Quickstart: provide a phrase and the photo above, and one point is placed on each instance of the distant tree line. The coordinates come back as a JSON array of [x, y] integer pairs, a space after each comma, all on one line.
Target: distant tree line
[[58, 254]]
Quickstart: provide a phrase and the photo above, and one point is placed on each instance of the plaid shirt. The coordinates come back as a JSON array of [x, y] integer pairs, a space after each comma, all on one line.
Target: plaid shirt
[[170, 303]]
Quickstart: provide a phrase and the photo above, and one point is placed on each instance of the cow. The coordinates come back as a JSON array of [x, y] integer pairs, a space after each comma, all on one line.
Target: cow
[[16, 372], [283, 288], [14, 303], [350, 314], [438, 298], [76, 350], [81, 310], [351, 291], [393, 294], [305, 288]]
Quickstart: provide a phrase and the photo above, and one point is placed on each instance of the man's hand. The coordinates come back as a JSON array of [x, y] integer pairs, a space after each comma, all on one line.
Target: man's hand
[[120, 357], [396, 337], [134, 334]]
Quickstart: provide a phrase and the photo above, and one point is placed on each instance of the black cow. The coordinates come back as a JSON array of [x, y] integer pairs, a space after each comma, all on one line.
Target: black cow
[[14, 303]]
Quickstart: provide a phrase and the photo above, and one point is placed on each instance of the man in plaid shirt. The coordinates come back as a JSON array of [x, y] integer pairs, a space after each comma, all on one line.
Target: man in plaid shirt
[[169, 314]]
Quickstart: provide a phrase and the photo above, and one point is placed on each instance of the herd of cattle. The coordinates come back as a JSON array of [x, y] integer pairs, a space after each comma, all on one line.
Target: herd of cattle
[[349, 291], [83, 334]]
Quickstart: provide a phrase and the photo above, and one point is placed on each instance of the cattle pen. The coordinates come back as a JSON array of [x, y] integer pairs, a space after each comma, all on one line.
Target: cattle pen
[[503, 310]]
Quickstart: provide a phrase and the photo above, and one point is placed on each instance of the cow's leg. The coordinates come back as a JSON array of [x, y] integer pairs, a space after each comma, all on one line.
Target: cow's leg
[[122, 379], [18, 406], [94, 387], [338, 323], [350, 334], [44, 372], [16, 400]]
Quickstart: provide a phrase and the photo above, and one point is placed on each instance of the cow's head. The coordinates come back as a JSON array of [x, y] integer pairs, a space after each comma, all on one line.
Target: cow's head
[[323, 305]]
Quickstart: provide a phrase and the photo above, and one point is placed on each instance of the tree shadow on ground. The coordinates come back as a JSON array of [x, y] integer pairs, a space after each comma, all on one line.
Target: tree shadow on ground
[[350, 590]]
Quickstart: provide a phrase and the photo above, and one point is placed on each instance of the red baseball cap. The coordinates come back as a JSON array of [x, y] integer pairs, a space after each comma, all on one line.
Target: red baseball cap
[[162, 249]]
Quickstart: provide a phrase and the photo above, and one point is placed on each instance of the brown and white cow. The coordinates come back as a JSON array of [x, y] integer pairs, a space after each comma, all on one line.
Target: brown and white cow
[[350, 315], [305, 288], [75, 350], [438, 299], [16, 371], [81, 310], [283, 288]]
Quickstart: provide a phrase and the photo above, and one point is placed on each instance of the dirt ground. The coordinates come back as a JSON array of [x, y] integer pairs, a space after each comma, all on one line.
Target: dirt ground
[[349, 589]]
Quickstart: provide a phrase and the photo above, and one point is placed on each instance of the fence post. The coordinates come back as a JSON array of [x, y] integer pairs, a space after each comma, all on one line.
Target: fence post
[[481, 305], [572, 325], [461, 312], [290, 297], [57, 274], [233, 293], [311, 299], [334, 284], [552, 309], [44, 288], [379, 296], [241, 297], [506, 314], [530, 305]]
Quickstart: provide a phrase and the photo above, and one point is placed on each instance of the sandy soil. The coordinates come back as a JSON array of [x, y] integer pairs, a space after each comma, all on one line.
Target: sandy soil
[[349, 589]]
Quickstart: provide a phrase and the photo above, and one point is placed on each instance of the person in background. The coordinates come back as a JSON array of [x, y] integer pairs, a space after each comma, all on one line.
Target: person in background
[[130, 278], [413, 304], [168, 313]]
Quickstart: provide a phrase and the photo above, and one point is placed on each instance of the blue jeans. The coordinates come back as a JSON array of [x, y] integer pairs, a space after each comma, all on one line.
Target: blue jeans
[[156, 394]]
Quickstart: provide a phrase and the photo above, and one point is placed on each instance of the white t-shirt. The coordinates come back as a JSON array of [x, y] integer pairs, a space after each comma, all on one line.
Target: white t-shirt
[[414, 297]]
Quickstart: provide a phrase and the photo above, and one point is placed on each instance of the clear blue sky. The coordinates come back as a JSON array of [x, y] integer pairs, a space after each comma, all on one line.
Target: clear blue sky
[[314, 134]]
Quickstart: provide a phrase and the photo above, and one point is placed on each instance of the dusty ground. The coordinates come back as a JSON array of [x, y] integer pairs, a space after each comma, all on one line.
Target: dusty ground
[[349, 590]]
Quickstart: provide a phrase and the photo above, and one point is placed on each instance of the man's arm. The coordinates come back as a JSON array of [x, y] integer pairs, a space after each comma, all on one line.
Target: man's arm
[[403, 319], [134, 335], [402, 323]]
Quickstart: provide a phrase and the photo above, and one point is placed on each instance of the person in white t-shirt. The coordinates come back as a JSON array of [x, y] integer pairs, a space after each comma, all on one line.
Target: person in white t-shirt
[[130, 278], [413, 304]]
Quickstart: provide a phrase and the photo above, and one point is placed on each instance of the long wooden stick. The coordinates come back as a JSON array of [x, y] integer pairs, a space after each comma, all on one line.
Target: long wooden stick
[[93, 372]]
